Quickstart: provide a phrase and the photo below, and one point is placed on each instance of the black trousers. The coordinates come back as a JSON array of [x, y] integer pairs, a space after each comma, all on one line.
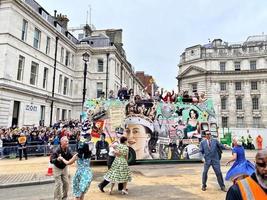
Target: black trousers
[[24, 153], [104, 183]]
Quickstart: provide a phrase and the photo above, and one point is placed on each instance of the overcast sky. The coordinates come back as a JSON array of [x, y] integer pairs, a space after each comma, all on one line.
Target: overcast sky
[[156, 32]]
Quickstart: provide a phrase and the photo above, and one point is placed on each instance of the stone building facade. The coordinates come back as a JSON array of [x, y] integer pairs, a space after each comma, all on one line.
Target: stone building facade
[[42, 68], [233, 75]]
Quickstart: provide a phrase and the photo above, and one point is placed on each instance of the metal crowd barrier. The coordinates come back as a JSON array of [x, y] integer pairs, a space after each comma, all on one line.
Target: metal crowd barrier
[[32, 150]]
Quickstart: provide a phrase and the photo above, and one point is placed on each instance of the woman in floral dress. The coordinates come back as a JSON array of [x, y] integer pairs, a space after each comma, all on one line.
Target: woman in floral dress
[[120, 171], [83, 176]]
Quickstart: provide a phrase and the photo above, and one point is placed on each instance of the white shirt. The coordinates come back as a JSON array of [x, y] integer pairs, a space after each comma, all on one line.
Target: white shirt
[[112, 149]]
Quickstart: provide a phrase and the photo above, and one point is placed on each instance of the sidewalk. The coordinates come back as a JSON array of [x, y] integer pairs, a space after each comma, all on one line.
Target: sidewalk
[[15, 173]]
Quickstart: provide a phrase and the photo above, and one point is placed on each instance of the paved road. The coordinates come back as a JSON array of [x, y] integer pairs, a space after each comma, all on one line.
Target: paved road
[[157, 182]]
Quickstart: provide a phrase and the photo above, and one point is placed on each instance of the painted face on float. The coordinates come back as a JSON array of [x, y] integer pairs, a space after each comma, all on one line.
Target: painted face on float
[[137, 139]]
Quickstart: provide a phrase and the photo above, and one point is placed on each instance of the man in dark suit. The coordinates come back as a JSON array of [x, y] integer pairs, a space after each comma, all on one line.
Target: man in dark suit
[[210, 149]]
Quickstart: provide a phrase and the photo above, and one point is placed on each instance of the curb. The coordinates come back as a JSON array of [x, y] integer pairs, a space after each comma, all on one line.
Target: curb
[[22, 184]]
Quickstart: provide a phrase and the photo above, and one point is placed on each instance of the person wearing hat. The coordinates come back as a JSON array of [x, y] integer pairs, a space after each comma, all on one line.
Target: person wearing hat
[[141, 136], [22, 146], [241, 167]]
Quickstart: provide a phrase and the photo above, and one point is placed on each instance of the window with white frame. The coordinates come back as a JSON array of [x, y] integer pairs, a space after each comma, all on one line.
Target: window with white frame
[[239, 105], [255, 103], [45, 78], [44, 15], [194, 87], [66, 86], [20, 68], [62, 55], [223, 103], [47, 48], [240, 122], [24, 30], [58, 114], [253, 65], [64, 115], [100, 65], [224, 122], [67, 58], [222, 66], [237, 66], [34, 73], [71, 87], [256, 122], [59, 83], [223, 86], [72, 60], [99, 89], [238, 85], [254, 85], [36, 38]]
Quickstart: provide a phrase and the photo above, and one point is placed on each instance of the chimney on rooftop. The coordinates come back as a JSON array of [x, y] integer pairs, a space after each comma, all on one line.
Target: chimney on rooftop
[[63, 20]]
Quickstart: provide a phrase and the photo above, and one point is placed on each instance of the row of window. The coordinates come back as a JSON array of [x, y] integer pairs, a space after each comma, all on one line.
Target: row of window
[[240, 123], [69, 59], [34, 72], [238, 85], [253, 65], [34, 77], [63, 114], [239, 103]]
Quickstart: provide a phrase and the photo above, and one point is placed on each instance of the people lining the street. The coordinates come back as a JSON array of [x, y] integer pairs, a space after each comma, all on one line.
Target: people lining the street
[[255, 186], [241, 167], [61, 173]]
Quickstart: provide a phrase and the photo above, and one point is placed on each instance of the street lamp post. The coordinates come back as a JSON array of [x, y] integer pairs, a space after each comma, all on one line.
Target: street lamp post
[[85, 59]]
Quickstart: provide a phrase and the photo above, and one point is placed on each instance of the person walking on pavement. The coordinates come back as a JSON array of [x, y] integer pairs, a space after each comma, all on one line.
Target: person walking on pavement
[[61, 174], [22, 146], [120, 171], [253, 187], [111, 157], [259, 142], [210, 148]]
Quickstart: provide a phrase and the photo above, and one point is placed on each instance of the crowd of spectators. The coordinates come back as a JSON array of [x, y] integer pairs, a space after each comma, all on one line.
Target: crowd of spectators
[[41, 135]]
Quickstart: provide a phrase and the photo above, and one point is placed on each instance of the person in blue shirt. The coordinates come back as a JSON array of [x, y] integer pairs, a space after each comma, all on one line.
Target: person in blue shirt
[[241, 167]]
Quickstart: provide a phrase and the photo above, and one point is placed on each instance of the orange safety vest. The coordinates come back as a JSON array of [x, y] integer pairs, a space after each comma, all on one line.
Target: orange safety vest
[[250, 190]]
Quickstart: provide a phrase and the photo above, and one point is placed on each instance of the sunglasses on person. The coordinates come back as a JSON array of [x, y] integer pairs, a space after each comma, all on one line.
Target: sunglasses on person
[[263, 165]]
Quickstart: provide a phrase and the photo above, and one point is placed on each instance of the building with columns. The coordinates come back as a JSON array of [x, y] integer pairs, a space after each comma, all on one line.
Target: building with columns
[[233, 75], [42, 69]]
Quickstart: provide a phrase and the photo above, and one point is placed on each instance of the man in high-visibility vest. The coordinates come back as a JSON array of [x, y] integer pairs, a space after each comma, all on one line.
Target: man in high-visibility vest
[[253, 187]]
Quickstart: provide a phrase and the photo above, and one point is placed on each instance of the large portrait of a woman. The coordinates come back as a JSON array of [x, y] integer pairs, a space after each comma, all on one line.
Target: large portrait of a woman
[[141, 136]]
